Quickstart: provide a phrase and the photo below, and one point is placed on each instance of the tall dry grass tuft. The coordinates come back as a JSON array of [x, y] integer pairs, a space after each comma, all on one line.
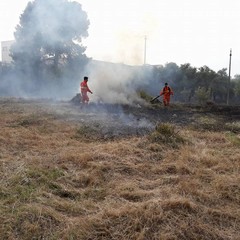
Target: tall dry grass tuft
[[166, 133]]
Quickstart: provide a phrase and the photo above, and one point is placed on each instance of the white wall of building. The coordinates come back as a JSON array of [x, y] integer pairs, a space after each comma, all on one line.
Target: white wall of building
[[5, 47]]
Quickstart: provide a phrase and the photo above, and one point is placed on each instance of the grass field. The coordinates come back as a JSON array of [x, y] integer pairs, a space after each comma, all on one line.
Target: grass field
[[63, 176]]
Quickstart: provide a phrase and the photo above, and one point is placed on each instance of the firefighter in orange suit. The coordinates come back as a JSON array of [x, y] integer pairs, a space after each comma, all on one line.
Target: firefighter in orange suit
[[166, 93], [84, 90]]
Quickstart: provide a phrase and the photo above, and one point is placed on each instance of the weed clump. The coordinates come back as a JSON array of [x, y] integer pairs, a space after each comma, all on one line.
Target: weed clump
[[88, 133], [233, 138], [145, 96], [166, 133]]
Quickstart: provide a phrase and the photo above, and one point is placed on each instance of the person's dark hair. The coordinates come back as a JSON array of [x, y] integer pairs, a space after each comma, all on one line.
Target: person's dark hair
[[166, 84], [85, 78]]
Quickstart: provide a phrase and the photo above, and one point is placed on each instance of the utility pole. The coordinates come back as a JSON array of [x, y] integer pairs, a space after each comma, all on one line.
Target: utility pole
[[145, 49], [229, 76]]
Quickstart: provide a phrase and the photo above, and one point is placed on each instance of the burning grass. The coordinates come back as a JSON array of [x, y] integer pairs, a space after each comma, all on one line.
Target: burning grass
[[59, 180]]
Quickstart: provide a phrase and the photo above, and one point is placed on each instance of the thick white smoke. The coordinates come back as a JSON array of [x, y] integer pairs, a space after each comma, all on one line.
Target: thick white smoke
[[46, 22], [115, 83]]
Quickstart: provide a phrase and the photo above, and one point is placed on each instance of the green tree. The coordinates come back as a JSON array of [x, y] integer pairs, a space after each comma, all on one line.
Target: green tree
[[205, 77], [236, 88], [219, 86], [188, 82], [50, 32], [202, 95]]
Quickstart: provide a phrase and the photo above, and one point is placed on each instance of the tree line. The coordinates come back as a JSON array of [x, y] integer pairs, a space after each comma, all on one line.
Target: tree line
[[192, 84]]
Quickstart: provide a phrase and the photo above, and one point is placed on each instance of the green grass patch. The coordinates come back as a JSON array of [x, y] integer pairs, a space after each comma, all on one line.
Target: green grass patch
[[234, 138], [26, 186]]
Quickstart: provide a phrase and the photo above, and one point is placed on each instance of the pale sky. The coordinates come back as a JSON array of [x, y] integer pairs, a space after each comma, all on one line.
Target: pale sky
[[199, 32]]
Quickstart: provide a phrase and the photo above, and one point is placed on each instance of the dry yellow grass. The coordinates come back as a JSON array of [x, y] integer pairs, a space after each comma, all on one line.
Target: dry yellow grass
[[56, 185]]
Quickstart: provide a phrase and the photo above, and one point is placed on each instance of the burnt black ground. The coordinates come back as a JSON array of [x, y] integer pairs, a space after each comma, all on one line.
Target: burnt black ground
[[116, 120], [141, 119]]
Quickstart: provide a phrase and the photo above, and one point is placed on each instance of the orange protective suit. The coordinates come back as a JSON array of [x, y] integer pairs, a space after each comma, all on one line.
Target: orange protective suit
[[84, 90], [166, 93]]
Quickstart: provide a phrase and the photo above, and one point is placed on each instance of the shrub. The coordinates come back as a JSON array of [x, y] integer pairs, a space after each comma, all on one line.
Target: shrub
[[202, 95], [142, 94], [166, 133]]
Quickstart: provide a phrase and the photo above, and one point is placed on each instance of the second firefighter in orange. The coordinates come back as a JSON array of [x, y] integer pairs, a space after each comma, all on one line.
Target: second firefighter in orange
[[166, 92]]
